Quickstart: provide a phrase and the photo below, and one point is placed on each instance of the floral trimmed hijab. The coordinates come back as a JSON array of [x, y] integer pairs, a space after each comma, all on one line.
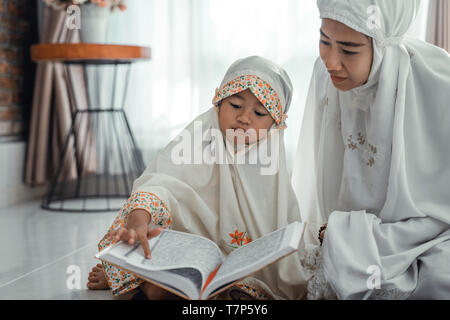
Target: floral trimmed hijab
[[274, 92]]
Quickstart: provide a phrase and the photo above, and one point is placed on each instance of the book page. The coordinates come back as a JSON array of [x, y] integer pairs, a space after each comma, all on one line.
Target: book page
[[192, 274], [251, 253], [256, 255], [178, 250]]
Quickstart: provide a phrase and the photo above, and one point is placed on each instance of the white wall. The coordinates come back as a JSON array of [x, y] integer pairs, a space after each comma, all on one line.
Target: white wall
[[12, 188]]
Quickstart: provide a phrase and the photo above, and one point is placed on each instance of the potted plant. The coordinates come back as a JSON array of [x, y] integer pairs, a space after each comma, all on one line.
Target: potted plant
[[94, 16]]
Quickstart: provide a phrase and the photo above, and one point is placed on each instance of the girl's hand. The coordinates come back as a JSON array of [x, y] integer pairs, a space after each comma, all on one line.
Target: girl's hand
[[137, 229]]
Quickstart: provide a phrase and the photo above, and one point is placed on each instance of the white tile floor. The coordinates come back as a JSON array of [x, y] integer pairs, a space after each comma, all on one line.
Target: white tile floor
[[37, 248]]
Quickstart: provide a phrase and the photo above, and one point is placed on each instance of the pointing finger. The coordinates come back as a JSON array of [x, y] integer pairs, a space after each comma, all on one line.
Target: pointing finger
[[145, 245]]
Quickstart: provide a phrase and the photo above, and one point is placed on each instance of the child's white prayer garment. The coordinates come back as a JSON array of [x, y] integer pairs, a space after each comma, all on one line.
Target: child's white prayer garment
[[233, 197]]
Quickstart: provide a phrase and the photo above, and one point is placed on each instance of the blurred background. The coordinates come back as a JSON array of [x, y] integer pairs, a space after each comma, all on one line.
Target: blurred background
[[192, 43]]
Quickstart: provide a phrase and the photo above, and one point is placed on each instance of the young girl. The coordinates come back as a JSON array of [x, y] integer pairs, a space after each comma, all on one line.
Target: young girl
[[230, 202]]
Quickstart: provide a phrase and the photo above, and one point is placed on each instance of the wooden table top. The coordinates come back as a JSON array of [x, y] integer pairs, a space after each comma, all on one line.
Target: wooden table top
[[88, 53]]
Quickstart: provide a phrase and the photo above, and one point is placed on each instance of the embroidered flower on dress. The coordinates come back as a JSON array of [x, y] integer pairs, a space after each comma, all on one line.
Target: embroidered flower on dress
[[369, 151], [238, 239], [361, 138], [351, 144], [371, 160]]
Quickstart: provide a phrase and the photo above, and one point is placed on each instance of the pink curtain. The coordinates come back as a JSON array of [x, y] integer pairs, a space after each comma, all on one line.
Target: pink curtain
[[52, 111], [438, 29]]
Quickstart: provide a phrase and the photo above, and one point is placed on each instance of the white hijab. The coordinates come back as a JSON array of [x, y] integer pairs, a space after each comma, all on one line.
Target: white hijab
[[375, 161], [214, 200]]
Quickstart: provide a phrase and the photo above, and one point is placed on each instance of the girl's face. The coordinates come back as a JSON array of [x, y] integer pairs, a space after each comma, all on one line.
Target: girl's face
[[239, 114], [346, 53]]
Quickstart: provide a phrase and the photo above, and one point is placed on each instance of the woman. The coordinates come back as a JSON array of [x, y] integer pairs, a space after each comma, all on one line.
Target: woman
[[373, 155]]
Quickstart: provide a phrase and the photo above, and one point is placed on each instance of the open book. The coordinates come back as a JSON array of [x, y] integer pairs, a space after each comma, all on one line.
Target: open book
[[194, 267]]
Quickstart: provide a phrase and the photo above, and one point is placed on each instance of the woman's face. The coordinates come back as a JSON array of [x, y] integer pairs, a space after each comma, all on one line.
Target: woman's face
[[346, 53]]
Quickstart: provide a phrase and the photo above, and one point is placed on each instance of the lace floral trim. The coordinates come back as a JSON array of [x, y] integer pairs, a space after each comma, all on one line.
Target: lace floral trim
[[317, 286], [311, 259], [389, 294], [319, 289]]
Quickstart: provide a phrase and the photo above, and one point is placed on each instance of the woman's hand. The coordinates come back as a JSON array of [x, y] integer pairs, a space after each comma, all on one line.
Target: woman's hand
[[322, 232], [137, 229]]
